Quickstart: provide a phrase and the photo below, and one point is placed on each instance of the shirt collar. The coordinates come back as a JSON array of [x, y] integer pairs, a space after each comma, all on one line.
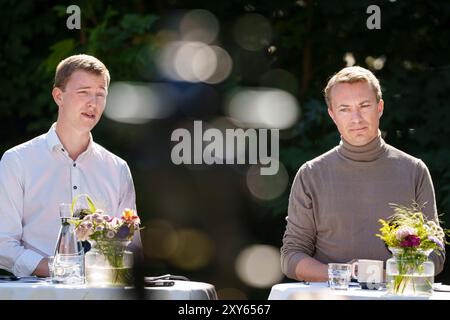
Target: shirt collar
[[54, 143], [367, 153]]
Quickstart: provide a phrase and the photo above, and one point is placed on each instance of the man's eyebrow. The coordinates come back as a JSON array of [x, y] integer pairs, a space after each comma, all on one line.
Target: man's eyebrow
[[88, 87], [347, 106]]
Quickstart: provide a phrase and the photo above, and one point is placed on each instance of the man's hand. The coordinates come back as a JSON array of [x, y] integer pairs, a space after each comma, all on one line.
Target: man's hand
[[42, 269], [310, 269]]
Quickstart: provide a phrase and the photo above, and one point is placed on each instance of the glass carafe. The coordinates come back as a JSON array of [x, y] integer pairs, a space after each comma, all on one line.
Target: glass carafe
[[68, 264]]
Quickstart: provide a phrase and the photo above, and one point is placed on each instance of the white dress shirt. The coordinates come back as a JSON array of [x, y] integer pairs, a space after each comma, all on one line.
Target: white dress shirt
[[38, 175]]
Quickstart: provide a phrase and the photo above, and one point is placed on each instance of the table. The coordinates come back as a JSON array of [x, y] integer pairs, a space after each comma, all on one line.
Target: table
[[182, 290], [321, 291]]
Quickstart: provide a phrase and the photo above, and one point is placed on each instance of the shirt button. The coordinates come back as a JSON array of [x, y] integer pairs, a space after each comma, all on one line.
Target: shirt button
[[62, 149], [74, 164], [75, 187]]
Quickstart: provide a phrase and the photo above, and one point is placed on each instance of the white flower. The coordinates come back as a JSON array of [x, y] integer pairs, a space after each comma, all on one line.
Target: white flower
[[110, 234], [85, 225], [83, 234], [98, 220], [96, 216]]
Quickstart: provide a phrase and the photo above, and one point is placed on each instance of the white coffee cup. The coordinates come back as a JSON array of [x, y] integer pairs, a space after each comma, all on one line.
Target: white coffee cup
[[369, 273]]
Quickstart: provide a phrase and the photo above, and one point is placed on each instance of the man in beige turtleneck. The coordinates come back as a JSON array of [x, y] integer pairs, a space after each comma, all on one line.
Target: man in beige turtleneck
[[337, 198]]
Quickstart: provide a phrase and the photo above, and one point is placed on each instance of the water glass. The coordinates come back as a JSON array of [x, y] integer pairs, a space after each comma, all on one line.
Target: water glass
[[50, 260], [339, 275], [68, 269]]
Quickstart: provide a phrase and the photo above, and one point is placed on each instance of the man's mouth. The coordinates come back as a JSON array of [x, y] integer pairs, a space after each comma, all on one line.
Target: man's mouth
[[358, 129], [88, 115]]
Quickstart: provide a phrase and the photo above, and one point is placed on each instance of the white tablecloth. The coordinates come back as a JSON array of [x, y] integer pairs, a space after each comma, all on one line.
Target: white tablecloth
[[182, 290], [321, 291]]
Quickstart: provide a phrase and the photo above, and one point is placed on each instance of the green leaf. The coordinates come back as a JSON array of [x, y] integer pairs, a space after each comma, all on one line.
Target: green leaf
[[60, 50]]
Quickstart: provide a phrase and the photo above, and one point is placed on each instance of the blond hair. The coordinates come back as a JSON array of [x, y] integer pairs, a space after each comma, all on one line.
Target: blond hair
[[352, 75], [78, 62]]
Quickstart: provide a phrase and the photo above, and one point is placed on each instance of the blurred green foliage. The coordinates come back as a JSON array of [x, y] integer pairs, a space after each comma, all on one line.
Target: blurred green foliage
[[310, 39]]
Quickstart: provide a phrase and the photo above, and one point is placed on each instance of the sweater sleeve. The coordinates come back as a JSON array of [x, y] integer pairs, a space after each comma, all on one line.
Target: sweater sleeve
[[300, 234], [425, 196]]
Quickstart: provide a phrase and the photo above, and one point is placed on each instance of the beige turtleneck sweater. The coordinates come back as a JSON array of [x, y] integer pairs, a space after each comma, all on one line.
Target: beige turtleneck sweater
[[337, 199]]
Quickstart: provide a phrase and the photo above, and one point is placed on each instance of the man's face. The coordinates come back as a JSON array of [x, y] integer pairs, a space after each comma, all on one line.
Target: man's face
[[355, 111], [83, 100]]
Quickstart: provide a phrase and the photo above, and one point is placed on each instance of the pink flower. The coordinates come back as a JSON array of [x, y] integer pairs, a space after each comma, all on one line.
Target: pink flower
[[114, 221], [410, 241], [404, 232]]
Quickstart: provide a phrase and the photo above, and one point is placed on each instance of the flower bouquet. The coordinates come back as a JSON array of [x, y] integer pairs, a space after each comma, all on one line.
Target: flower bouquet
[[411, 238], [108, 263]]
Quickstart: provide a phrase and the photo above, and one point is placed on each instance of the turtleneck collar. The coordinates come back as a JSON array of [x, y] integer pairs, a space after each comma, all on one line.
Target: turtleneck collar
[[366, 153]]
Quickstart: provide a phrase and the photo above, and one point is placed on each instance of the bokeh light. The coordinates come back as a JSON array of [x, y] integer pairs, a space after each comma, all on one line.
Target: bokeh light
[[161, 239], [252, 32], [199, 25], [349, 59], [375, 63], [267, 187], [259, 266], [378, 63], [194, 61], [194, 250], [263, 108], [139, 103], [223, 68]]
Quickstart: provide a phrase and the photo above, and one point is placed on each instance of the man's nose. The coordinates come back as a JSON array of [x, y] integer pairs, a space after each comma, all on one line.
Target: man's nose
[[93, 101], [356, 116]]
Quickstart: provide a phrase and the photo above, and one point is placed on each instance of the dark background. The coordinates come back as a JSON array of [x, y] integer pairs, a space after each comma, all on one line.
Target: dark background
[[205, 216]]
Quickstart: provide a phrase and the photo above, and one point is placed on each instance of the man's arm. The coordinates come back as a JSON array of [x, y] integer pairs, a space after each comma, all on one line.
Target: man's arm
[[425, 195], [309, 269], [42, 269], [13, 256], [300, 235]]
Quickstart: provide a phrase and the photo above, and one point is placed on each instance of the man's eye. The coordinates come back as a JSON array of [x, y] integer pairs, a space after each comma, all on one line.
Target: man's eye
[[365, 105], [82, 92]]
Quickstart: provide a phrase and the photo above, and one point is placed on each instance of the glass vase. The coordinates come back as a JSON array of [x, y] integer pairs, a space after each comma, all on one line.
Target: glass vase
[[409, 272], [109, 264]]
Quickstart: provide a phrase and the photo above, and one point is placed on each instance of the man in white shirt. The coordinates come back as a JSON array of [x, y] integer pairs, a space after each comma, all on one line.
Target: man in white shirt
[[38, 175]]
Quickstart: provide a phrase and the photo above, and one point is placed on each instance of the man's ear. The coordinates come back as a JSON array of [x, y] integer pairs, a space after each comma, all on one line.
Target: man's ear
[[380, 108], [57, 96]]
